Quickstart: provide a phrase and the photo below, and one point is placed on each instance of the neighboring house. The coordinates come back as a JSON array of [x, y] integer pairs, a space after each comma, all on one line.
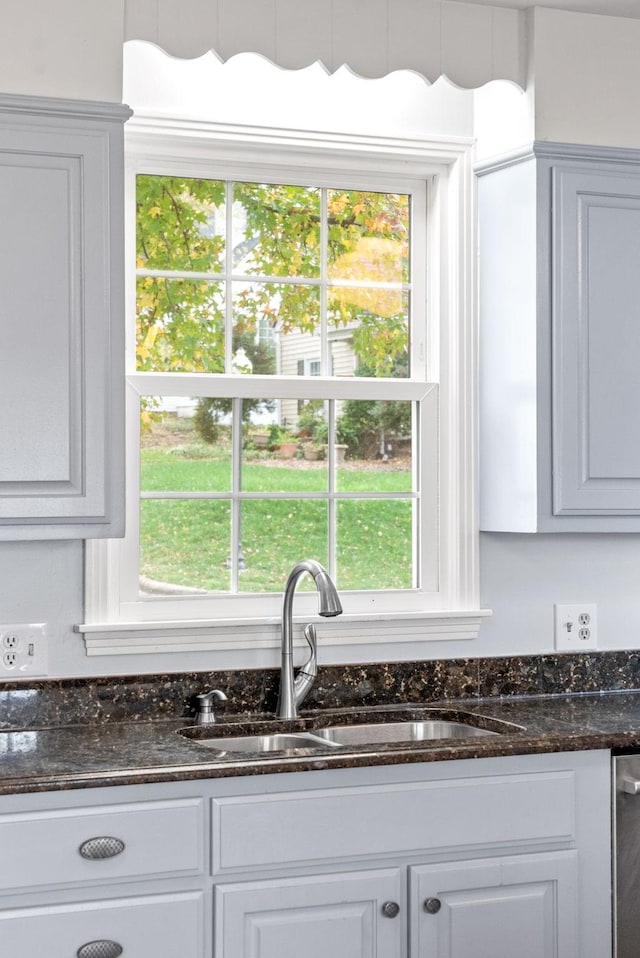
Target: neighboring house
[[298, 354]]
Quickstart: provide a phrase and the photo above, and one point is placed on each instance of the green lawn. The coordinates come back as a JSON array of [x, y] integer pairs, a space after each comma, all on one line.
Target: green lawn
[[187, 542]]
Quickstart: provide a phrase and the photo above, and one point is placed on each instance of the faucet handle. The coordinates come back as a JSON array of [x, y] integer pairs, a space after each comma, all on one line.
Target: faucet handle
[[311, 665], [206, 704], [307, 673]]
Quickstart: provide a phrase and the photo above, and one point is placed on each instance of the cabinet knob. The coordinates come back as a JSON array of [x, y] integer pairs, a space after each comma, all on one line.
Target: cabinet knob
[[95, 849], [391, 909], [432, 905], [102, 948]]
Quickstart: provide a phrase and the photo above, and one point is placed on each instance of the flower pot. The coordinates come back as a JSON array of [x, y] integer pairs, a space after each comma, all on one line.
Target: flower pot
[[341, 451], [312, 452], [287, 450]]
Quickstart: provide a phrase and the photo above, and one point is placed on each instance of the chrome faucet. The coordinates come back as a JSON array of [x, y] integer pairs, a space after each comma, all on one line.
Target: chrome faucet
[[292, 693]]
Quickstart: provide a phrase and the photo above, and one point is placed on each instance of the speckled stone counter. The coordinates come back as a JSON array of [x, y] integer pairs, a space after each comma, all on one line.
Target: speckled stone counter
[[82, 733], [125, 753]]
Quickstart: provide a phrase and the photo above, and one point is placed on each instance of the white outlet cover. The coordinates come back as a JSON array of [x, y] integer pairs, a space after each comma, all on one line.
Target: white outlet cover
[[572, 633], [23, 650]]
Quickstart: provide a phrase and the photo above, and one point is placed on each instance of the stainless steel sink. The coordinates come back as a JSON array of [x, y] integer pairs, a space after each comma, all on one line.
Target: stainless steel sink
[[295, 742], [384, 733], [348, 728]]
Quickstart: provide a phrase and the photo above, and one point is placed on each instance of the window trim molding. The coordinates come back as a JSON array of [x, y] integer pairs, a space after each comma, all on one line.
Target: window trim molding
[[453, 342], [341, 641]]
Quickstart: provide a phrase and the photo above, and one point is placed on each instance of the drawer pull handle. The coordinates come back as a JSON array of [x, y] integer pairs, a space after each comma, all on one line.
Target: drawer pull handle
[[100, 949], [96, 849]]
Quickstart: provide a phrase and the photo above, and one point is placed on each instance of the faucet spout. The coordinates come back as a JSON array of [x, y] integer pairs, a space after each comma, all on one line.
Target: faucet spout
[[293, 691]]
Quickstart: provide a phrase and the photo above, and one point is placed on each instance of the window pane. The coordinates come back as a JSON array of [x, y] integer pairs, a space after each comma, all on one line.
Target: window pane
[[185, 445], [374, 544], [184, 544], [368, 236], [374, 446], [368, 331], [284, 446], [276, 230], [276, 534], [276, 325], [180, 223], [180, 325], [293, 296]]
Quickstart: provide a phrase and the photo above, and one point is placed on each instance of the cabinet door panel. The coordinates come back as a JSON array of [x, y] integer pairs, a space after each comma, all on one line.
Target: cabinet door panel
[[62, 356], [315, 917], [524, 906], [39, 234], [596, 343]]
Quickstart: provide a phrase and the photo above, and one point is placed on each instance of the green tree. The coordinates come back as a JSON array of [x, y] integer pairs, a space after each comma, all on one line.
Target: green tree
[[182, 227], [366, 426], [210, 412]]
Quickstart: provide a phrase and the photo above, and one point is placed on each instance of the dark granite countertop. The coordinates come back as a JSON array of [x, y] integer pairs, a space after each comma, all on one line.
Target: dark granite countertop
[[132, 752]]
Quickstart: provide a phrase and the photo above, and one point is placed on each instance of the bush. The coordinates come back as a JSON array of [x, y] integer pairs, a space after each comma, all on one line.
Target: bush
[[366, 424], [207, 416], [311, 420]]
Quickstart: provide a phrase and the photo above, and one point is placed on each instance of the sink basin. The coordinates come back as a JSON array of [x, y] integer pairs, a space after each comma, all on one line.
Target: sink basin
[[402, 725], [381, 733], [297, 742]]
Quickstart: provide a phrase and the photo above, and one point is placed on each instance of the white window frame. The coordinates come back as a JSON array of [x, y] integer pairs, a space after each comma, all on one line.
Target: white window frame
[[387, 626]]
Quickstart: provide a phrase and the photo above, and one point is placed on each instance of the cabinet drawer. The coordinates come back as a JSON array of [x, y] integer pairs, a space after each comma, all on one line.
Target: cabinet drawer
[[271, 831], [162, 926], [101, 844]]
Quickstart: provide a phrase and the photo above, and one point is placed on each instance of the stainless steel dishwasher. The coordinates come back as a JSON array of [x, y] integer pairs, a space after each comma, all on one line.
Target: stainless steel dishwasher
[[626, 872]]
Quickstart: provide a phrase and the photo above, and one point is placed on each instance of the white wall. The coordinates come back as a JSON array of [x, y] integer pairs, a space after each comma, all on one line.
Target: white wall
[[66, 48], [587, 78], [587, 89], [522, 576]]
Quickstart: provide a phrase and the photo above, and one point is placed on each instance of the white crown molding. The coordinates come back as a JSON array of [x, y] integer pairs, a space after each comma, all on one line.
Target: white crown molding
[[63, 108], [158, 135], [542, 149]]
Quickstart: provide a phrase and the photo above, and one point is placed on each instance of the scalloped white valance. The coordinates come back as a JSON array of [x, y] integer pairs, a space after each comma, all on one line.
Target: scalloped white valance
[[466, 42]]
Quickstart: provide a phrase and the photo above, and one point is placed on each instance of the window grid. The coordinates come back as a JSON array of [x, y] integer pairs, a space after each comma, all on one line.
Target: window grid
[[323, 282], [331, 496]]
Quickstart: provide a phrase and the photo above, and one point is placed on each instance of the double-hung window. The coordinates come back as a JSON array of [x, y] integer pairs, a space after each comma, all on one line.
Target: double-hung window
[[300, 385]]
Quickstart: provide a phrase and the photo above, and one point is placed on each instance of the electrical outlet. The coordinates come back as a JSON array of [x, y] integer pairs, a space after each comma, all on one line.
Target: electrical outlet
[[23, 650], [576, 627]]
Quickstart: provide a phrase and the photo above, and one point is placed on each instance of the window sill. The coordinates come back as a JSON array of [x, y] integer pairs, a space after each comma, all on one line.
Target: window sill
[[386, 636]]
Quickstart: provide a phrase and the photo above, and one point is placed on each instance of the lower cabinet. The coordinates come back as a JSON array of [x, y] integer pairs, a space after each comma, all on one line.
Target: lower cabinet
[[486, 858], [496, 908], [525, 906], [351, 915]]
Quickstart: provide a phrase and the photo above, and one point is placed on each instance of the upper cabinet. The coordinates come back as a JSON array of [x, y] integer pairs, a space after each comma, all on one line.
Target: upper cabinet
[[559, 235], [61, 319]]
